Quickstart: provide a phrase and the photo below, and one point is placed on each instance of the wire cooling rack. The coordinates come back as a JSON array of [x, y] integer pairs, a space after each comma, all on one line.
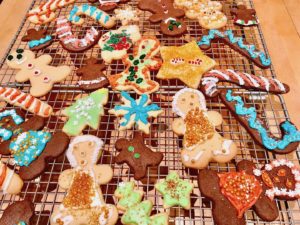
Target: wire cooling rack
[[44, 191]]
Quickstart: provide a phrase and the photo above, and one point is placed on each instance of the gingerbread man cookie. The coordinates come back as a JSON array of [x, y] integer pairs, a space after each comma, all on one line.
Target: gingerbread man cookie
[[91, 74], [37, 39], [201, 142], [164, 12], [136, 112], [244, 16], [114, 44], [136, 76], [84, 203], [137, 155], [41, 75]]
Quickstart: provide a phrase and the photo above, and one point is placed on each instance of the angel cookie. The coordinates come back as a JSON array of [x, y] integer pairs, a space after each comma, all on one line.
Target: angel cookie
[[85, 112], [201, 142], [84, 203], [136, 76], [41, 75], [186, 63], [136, 112]]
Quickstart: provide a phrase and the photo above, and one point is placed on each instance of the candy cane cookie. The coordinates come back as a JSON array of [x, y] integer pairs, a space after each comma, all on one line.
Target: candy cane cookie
[[26, 101], [44, 13], [248, 81], [70, 42], [97, 14]]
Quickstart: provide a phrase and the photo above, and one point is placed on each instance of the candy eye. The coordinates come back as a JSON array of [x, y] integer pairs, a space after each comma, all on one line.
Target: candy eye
[[19, 56], [19, 50], [36, 72], [10, 57], [46, 79], [29, 65]]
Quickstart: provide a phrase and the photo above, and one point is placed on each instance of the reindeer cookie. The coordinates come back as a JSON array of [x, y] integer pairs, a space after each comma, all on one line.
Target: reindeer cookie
[[84, 203], [201, 142], [37, 70]]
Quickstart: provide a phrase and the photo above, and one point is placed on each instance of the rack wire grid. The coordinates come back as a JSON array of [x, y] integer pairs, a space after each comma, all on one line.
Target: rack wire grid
[[45, 193]]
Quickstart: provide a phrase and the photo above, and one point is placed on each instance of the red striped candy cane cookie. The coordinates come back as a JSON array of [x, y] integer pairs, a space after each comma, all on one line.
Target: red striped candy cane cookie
[[209, 82], [44, 13], [26, 101], [72, 43]]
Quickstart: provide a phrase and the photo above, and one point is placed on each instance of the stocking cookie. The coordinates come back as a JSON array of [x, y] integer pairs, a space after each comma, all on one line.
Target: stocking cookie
[[127, 15], [91, 74], [137, 155], [108, 5], [10, 182], [37, 39], [186, 63], [18, 213], [175, 191], [114, 44], [244, 16], [70, 42], [41, 75], [26, 101], [44, 13], [136, 76], [88, 10], [259, 58], [84, 203], [85, 112], [164, 12], [201, 142], [136, 112]]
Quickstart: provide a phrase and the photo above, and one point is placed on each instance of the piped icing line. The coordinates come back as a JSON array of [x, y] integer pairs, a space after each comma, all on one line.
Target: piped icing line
[[41, 41], [7, 180], [229, 38], [210, 79], [25, 101], [290, 132], [87, 82], [6, 134]]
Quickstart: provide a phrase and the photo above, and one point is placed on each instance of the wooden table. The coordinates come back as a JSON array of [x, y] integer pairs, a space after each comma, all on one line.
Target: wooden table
[[280, 21]]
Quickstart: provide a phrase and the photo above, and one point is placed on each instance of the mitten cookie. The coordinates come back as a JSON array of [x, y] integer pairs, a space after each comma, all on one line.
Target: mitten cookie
[[164, 12], [136, 75], [85, 111], [41, 75], [91, 74], [10, 182], [87, 205], [186, 63], [201, 142], [136, 112], [244, 16], [137, 155], [259, 58], [37, 39], [18, 213], [114, 44]]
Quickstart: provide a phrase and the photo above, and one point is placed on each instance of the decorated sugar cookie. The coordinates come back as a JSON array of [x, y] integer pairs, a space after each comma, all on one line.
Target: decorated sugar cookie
[[127, 15], [85, 112], [37, 39], [84, 203], [186, 63], [201, 142], [136, 75], [135, 112], [10, 182]]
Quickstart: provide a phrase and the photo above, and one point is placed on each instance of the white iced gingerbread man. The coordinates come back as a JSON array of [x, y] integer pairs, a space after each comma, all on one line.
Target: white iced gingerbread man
[[37, 70], [84, 203], [201, 142]]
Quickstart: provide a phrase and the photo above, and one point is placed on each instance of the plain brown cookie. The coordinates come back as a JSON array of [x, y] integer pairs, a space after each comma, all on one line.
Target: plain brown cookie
[[164, 12], [36, 36], [17, 212], [137, 155], [92, 77], [108, 5]]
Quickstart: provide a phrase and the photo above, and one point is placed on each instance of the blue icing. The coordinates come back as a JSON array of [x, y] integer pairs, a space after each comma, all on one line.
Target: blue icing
[[73, 13], [85, 7], [106, 19], [206, 40], [93, 9], [5, 133], [21, 223], [291, 134], [27, 146], [98, 17], [41, 41], [139, 110]]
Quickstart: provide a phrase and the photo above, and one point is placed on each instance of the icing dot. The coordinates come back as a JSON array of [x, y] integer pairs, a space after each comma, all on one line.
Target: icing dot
[[37, 72], [137, 155], [19, 56], [46, 79], [142, 56], [139, 80], [131, 148], [20, 50], [29, 66], [136, 62], [10, 57], [131, 57]]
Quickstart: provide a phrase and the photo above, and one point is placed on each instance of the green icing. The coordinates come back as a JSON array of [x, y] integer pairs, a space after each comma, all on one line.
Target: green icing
[[137, 155], [85, 112], [117, 41], [131, 148], [129, 197], [175, 191]]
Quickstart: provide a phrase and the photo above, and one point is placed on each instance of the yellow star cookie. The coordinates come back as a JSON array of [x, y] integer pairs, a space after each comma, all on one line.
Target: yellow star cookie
[[186, 63]]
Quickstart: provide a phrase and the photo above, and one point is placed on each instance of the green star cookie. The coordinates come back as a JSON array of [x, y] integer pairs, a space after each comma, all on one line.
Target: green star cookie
[[85, 112], [175, 191], [140, 215]]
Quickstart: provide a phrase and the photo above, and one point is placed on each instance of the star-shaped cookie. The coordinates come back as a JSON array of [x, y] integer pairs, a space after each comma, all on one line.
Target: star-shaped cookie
[[92, 77], [137, 155], [186, 63], [175, 191]]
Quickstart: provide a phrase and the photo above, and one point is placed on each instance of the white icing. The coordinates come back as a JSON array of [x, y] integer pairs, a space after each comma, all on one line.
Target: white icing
[[268, 167], [267, 83], [62, 28], [96, 81], [67, 220], [198, 155], [186, 158], [68, 41], [108, 1], [169, 19], [69, 33], [257, 172], [280, 85], [7, 180], [61, 21], [221, 74], [102, 219], [240, 79], [21, 61], [225, 146], [254, 82]]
